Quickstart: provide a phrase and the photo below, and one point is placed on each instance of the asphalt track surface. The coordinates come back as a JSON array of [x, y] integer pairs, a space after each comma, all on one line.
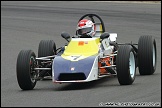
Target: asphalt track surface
[[25, 24]]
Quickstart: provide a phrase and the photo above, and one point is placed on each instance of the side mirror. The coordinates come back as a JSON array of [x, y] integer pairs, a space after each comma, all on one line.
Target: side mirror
[[65, 36], [104, 35]]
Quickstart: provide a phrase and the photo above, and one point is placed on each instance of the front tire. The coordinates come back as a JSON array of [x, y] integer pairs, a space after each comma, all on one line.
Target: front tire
[[147, 56], [24, 68], [125, 64]]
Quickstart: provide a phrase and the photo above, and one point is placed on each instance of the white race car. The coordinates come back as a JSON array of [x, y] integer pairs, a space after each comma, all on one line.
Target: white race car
[[87, 59]]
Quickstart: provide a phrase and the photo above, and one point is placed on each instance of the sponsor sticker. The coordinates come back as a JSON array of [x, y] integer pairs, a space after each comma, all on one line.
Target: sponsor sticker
[[72, 68], [86, 42], [80, 43]]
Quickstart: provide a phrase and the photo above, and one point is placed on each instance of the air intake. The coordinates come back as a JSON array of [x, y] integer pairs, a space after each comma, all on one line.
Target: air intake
[[71, 76]]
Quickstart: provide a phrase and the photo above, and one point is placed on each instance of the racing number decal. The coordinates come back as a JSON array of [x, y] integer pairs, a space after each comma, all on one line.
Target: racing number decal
[[106, 43], [75, 57]]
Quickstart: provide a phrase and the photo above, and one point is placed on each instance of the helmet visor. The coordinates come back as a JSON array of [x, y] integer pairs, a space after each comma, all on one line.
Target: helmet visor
[[84, 30]]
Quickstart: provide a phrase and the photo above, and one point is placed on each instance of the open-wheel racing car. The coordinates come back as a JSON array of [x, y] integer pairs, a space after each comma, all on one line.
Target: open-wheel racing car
[[86, 58]]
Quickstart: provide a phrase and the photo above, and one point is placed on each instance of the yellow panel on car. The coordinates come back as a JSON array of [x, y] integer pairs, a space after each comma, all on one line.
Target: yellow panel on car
[[82, 47]]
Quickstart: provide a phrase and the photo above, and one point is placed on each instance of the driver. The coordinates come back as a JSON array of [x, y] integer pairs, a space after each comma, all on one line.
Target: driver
[[86, 28]]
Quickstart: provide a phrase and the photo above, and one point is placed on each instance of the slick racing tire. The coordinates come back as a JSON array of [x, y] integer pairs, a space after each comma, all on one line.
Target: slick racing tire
[[147, 55], [24, 68], [46, 48], [125, 64]]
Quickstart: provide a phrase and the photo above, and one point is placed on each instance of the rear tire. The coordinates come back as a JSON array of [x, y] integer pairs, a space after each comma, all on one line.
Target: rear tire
[[125, 64], [24, 69], [147, 56], [46, 48]]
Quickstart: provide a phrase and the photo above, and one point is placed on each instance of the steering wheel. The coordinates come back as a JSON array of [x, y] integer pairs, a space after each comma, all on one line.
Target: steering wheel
[[92, 19]]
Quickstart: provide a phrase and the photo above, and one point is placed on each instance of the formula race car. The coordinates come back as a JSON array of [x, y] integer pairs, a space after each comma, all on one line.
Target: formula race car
[[87, 58]]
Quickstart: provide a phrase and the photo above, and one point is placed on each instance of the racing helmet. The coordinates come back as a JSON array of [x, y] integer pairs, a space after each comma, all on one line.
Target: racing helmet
[[86, 27]]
